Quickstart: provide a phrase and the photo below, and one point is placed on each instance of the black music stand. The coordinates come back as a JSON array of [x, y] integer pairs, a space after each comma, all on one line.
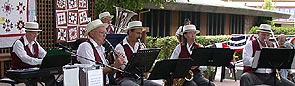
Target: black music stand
[[212, 57], [275, 58], [170, 69], [142, 61]]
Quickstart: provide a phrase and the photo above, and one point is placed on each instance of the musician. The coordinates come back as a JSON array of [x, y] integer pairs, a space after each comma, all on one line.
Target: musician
[[130, 45], [283, 43], [259, 76], [106, 17], [27, 53], [180, 28], [184, 50], [93, 49]]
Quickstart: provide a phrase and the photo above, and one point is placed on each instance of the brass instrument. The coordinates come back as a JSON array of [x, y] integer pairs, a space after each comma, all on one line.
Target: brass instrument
[[122, 18]]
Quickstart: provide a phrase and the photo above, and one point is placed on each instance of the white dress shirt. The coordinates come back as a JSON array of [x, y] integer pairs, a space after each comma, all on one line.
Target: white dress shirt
[[19, 50], [120, 48], [248, 59], [85, 51]]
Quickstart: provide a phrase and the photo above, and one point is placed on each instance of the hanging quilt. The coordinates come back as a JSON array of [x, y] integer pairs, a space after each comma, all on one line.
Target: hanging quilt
[[71, 19], [13, 15]]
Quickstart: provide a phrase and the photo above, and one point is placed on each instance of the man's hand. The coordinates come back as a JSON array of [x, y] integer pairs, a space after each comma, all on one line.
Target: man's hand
[[119, 60]]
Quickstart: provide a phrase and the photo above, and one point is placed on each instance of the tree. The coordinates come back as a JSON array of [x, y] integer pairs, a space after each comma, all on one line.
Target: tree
[[268, 5], [134, 5]]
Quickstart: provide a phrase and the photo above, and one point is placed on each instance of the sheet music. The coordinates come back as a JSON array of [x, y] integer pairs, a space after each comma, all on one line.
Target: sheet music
[[71, 76], [95, 77], [256, 59]]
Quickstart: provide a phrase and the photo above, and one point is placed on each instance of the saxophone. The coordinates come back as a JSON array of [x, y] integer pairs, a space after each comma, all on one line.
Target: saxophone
[[188, 77]]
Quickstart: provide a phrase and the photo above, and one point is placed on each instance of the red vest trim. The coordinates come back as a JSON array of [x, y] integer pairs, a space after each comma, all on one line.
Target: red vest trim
[[184, 52], [17, 63], [255, 47], [96, 55], [128, 51]]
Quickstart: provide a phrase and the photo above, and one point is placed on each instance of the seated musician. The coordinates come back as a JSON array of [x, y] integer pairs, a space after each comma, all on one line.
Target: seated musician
[[259, 76], [130, 45], [184, 50], [27, 52], [93, 49]]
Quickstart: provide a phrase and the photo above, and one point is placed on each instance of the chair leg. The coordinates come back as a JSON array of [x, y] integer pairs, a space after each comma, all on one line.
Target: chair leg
[[222, 73], [234, 71]]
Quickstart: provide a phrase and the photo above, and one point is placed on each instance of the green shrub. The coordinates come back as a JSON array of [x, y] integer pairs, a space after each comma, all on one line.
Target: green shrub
[[167, 44]]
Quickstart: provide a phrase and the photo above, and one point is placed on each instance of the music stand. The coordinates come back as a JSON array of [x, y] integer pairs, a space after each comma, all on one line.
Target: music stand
[[142, 61], [170, 69], [275, 58], [212, 57]]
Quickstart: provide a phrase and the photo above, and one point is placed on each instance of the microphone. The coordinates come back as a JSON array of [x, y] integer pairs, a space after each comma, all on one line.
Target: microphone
[[63, 47]]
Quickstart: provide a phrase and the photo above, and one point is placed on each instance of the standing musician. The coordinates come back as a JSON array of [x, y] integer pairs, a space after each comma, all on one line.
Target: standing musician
[[106, 17], [180, 29], [184, 50], [93, 49], [130, 45], [27, 53], [259, 76]]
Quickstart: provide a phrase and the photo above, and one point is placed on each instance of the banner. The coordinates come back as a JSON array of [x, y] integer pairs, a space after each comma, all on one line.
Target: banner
[[13, 15]]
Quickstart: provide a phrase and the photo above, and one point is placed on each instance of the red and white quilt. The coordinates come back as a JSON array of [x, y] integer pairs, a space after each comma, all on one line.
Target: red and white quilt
[[71, 19], [15, 14]]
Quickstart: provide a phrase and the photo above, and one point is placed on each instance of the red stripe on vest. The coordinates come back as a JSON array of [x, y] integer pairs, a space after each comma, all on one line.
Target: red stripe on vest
[[98, 59], [128, 51], [255, 47], [184, 52], [17, 63], [96, 55]]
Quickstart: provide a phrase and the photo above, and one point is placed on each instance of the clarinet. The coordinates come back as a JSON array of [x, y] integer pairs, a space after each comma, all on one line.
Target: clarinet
[[112, 48]]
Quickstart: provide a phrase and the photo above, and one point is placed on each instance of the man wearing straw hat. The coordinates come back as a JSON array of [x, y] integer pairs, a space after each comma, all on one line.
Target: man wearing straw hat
[[106, 17], [130, 45], [27, 53], [259, 76], [92, 49]]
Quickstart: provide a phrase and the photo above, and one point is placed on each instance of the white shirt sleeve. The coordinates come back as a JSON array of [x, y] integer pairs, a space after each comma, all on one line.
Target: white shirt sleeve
[[85, 51], [176, 52], [247, 54], [18, 49]]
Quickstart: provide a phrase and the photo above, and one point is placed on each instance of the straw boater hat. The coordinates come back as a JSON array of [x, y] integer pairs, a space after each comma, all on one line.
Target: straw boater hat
[[134, 25], [32, 26], [94, 24], [105, 14], [188, 28], [264, 28]]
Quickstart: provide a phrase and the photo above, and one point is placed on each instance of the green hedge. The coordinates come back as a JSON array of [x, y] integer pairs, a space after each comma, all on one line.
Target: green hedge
[[277, 30], [167, 44]]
